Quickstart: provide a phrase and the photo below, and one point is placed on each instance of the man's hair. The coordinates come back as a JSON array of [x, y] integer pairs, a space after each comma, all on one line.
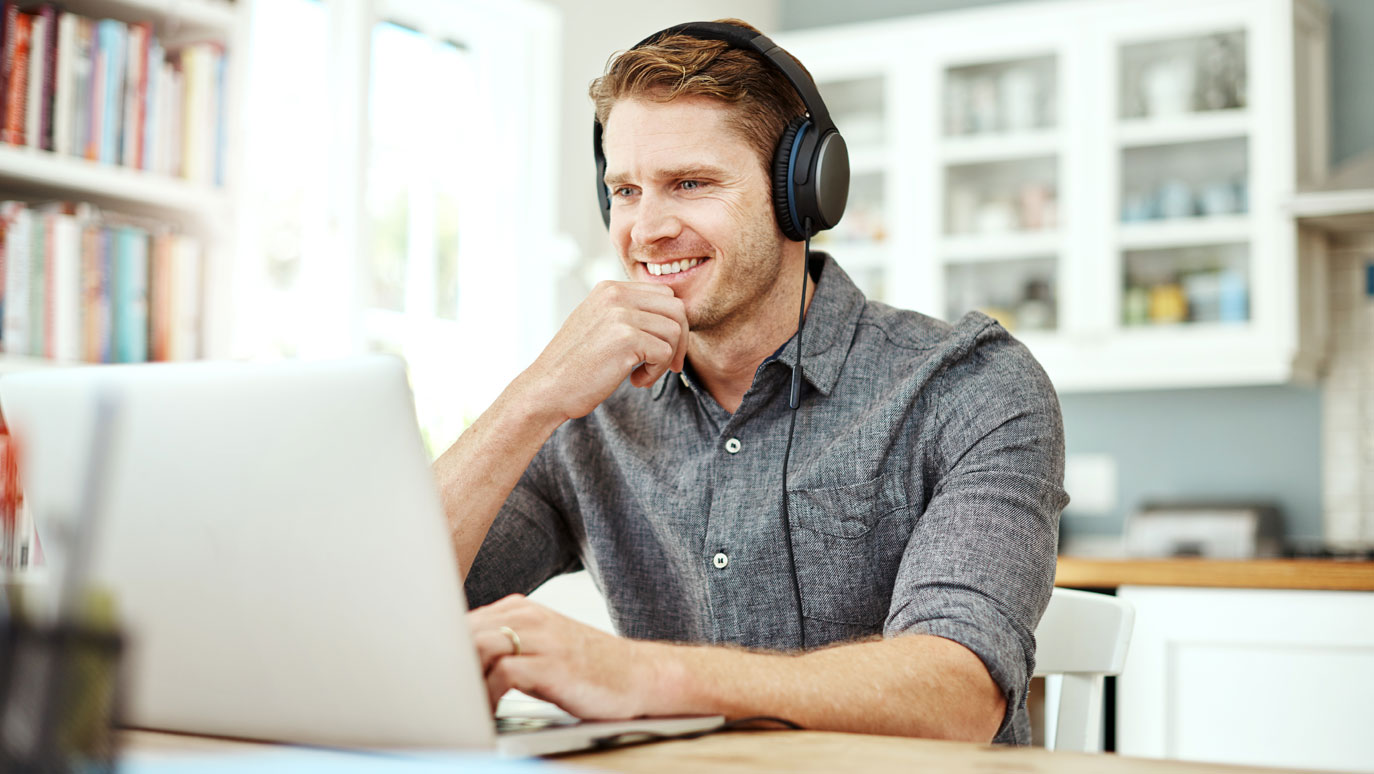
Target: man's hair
[[762, 100]]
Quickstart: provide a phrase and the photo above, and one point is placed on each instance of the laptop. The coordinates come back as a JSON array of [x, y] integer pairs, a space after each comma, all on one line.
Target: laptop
[[280, 558]]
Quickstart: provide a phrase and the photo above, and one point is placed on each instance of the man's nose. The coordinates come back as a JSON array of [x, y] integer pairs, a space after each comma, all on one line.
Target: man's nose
[[656, 218]]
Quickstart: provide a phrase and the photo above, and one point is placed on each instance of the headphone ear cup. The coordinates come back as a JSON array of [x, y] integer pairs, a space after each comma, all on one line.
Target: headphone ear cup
[[783, 205]]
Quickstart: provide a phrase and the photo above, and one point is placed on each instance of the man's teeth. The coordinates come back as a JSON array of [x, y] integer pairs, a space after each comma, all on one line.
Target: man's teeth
[[659, 269]]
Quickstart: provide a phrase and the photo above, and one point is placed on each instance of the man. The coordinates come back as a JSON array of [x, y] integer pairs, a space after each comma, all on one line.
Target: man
[[894, 587]]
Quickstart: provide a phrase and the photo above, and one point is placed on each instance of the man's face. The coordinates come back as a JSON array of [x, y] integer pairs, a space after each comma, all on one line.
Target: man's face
[[691, 207]]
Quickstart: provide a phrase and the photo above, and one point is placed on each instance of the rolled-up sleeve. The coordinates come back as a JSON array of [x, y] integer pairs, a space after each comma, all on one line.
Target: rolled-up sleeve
[[528, 543], [979, 566]]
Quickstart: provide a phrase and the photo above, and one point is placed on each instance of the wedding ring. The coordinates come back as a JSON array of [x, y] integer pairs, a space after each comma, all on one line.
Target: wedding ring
[[514, 639]]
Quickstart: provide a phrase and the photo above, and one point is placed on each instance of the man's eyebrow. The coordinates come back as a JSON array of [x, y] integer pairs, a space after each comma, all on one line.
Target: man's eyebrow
[[688, 172]]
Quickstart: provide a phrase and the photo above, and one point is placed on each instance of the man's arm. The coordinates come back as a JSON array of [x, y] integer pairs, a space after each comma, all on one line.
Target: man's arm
[[622, 328], [913, 685]]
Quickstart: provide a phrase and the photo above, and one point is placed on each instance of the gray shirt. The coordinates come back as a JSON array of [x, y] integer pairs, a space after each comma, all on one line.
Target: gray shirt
[[923, 489]]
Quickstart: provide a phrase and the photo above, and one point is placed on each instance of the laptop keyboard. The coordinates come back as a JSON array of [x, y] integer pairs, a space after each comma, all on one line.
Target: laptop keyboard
[[518, 725]]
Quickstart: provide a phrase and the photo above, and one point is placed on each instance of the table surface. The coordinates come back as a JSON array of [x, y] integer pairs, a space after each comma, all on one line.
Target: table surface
[[1311, 574], [793, 751]]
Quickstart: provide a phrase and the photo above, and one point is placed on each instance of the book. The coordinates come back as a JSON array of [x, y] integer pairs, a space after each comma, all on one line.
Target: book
[[187, 291], [95, 298], [33, 101], [135, 91], [64, 84], [17, 86], [95, 104], [65, 224], [129, 295], [151, 100], [9, 16], [83, 76], [50, 15], [18, 234], [38, 285], [113, 37]]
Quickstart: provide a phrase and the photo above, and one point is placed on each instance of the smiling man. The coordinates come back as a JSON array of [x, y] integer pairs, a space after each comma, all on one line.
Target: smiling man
[[874, 560]]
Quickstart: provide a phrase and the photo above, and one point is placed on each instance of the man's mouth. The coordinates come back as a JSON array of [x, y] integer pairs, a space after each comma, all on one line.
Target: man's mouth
[[672, 267]]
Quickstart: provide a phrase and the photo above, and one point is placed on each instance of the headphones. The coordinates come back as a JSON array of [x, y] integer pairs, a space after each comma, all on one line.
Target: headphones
[[810, 169]]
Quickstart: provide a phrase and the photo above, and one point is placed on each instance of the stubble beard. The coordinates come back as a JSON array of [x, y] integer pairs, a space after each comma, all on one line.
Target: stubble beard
[[743, 281]]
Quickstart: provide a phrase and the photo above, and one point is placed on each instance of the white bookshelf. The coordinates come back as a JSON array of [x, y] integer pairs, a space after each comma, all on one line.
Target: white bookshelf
[[203, 210]]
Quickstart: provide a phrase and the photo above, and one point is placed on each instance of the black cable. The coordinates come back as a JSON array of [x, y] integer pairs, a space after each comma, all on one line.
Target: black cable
[[631, 738], [794, 401]]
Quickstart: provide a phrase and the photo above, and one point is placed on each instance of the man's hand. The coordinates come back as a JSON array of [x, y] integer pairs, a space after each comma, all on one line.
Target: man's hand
[[587, 672], [622, 328]]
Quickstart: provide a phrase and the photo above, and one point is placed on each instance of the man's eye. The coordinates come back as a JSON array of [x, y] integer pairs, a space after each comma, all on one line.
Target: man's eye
[[624, 192], [691, 185]]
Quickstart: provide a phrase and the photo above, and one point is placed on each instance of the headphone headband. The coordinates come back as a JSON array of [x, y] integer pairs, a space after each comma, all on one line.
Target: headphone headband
[[744, 39], [810, 167]]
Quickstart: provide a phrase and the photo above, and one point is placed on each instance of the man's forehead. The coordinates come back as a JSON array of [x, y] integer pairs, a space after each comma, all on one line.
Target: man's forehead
[[683, 132]]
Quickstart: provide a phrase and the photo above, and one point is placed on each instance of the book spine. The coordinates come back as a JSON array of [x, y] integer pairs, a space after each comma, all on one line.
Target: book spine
[[135, 57], [96, 105], [18, 231], [50, 34], [64, 85], [151, 102], [33, 100], [187, 298], [83, 67], [38, 296], [65, 290], [9, 17], [131, 296], [93, 291], [113, 45], [17, 88]]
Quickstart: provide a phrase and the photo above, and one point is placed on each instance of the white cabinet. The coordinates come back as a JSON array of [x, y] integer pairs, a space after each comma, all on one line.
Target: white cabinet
[[1257, 677], [1106, 177]]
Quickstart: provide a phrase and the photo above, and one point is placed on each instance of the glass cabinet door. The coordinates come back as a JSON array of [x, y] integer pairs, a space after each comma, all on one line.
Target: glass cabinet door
[[1184, 195], [1001, 183]]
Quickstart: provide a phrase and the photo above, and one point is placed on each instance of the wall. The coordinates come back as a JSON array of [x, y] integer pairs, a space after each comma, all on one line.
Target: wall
[[1257, 443]]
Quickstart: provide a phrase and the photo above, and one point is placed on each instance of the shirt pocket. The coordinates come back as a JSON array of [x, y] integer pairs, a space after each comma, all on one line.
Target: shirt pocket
[[848, 542]]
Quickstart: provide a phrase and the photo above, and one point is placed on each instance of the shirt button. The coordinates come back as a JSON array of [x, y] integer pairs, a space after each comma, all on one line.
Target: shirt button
[[683, 377], [720, 560], [732, 445]]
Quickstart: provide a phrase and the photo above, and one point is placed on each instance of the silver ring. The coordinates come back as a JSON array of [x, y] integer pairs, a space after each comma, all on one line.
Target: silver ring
[[514, 639]]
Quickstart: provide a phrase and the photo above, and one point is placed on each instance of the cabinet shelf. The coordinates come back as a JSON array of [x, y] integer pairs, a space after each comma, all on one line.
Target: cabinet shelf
[[1185, 232], [1000, 147], [44, 173], [999, 247], [1192, 127]]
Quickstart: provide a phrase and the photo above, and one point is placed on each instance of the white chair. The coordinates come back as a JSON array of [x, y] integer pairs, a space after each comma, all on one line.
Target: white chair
[[1081, 639]]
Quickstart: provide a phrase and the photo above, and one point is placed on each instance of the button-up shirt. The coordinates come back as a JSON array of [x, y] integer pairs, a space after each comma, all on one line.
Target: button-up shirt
[[923, 491]]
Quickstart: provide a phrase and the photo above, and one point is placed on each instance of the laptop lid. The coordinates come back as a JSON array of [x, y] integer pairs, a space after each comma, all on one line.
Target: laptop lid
[[275, 539]]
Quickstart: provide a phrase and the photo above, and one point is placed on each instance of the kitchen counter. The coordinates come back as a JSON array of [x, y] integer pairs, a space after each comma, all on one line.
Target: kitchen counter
[[1318, 574]]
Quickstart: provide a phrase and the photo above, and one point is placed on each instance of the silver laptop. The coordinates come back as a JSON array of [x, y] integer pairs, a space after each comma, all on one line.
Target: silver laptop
[[275, 539]]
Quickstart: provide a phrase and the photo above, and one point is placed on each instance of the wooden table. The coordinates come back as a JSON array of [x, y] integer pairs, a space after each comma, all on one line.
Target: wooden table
[[796, 751], [1313, 574]]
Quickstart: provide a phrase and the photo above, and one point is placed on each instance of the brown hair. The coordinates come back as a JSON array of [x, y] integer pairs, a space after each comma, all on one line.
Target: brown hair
[[763, 100]]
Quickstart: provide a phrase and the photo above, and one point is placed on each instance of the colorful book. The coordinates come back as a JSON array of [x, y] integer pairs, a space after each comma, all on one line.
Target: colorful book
[[18, 236], [139, 37], [156, 56], [17, 87], [129, 295], [38, 285], [83, 76], [64, 287], [95, 105], [113, 54]]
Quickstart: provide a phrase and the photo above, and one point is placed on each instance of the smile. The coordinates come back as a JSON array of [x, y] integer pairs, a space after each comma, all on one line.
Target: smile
[[672, 267]]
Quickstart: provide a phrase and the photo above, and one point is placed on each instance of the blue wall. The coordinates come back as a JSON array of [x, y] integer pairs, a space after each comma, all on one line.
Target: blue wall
[[1259, 443]]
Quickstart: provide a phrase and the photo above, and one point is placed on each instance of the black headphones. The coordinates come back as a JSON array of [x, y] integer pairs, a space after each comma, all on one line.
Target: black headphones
[[811, 164]]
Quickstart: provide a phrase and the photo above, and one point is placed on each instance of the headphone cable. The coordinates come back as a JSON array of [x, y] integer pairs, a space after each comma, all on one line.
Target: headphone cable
[[794, 401]]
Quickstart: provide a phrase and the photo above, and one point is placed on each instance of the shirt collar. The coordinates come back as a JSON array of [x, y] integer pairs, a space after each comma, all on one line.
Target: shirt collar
[[830, 322]]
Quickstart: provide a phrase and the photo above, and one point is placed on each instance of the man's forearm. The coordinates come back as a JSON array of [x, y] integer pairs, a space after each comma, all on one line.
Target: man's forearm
[[915, 685], [478, 472]]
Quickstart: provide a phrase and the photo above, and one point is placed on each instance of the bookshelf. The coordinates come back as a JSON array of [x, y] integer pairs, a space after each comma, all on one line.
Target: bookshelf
[[159, 198]]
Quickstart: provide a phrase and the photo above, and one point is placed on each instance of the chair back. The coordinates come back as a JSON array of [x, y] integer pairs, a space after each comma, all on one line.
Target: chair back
[[1082, 638]]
